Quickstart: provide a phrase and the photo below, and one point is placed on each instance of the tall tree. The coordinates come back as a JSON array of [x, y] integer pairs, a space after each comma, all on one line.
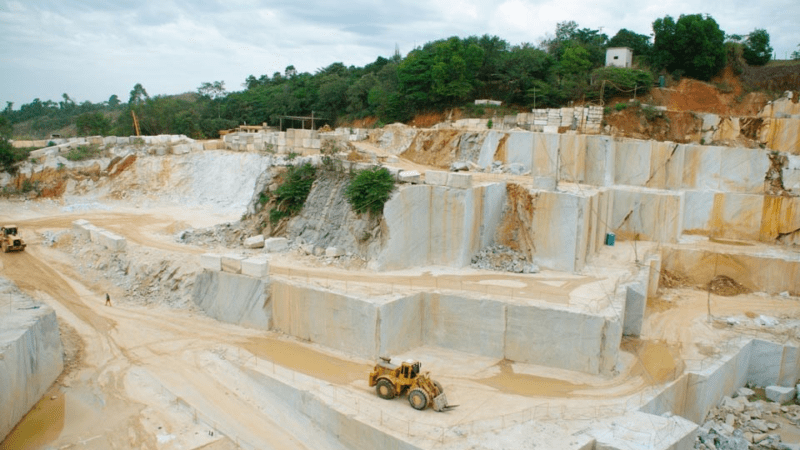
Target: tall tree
[[138, 95], [639, 43], [757, 50], [693, 45]]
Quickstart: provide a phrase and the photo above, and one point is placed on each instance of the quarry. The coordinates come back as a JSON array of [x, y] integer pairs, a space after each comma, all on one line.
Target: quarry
[[570, 286]]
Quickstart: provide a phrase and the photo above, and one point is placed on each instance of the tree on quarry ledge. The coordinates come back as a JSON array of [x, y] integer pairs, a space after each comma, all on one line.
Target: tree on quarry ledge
[[693, 46], [757, 50]]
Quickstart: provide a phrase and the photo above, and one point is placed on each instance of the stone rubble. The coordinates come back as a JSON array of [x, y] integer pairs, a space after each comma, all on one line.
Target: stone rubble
[[504, 259], [739, 424]]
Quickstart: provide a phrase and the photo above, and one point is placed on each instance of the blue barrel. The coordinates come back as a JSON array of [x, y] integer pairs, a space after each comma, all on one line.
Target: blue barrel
[[610, 238]]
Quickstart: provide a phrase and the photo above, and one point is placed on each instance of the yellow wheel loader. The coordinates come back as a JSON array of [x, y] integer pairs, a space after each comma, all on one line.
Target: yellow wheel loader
[[391, 381], [9, 240]]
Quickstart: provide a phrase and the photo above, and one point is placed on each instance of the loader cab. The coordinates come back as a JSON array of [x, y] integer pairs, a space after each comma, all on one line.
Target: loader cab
[[10, 230], [410, 369]]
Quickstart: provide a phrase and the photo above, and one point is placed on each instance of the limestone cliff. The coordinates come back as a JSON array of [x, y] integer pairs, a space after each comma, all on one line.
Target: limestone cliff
[[327, 220]]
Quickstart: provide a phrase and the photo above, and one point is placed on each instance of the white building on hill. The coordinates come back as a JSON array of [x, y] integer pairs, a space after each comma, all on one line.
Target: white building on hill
[[619, 57]]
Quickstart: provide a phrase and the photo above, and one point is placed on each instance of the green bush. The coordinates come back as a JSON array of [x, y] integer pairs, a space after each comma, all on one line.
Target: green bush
[[620, 106], [84, 152], [489, 124], [291, 195], [369, 190]]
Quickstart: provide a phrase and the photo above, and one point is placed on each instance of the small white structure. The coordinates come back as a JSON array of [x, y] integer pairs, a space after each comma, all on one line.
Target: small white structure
[[619, 57]]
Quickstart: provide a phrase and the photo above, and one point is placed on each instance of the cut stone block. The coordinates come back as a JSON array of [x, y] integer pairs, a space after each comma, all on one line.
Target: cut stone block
[[79, 227], [409, 176], [232, 263], [459, 180], [334, 251], [181, 149], [276, 244], [94, 233], [211, 261], [254, 242], [112, 241], [780, 394], [255, 267]]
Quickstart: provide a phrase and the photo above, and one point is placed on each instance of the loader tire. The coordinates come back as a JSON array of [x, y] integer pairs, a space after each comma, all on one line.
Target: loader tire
[[385, 389], [418, 399], [438, 387]]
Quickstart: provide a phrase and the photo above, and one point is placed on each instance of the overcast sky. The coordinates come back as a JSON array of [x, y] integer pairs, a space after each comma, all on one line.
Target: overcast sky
[[91, 49]]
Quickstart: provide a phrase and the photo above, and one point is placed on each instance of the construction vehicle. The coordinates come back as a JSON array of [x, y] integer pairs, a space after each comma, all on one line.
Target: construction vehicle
[[9, 240], [391, 381]]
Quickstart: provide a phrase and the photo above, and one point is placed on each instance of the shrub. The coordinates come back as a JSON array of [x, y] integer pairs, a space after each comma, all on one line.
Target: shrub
[[84, 152], [489, 124], [291, 195], [620, 106], [369, 190]]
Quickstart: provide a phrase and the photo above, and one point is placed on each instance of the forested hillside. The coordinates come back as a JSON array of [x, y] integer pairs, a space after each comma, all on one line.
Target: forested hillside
[[567, 67]]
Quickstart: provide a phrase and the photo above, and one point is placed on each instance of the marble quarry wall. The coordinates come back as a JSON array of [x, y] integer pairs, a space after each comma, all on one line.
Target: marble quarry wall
[[31, 356], [773, 274], [443, 222], [368, 328]]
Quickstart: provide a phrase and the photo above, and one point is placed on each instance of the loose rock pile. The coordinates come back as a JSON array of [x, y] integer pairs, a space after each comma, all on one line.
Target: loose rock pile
[[504, 259], [738, 423]]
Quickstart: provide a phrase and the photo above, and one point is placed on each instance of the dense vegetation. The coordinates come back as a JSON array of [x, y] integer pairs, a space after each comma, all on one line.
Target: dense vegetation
[[568, 67]]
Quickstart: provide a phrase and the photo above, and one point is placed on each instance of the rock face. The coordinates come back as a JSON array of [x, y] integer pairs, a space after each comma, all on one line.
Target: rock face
[[327, 220], [31, 355], [233, 298]]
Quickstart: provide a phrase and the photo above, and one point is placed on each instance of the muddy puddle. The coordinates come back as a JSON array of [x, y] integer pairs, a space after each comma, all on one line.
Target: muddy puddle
[[41, 426], [302, 359], [655, 362]]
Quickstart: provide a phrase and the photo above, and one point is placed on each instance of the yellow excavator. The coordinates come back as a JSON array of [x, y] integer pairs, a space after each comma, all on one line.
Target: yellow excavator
[[391, 380]]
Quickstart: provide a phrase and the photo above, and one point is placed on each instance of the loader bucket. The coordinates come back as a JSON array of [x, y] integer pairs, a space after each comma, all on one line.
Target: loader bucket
[[440, 403]]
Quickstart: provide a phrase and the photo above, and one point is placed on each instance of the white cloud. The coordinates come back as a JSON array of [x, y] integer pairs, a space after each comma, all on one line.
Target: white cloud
[[94, 48]]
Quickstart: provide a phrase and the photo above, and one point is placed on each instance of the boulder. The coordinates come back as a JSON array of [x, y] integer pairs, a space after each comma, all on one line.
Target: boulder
[[334, 251], [276, 244], [780, 394], [254, 242]]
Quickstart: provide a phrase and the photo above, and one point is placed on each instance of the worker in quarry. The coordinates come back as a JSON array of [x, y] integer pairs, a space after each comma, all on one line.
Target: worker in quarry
[[108, 300]]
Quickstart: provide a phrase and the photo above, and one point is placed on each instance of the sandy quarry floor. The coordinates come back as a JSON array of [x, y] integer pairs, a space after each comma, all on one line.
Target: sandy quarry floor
[[137, 375]]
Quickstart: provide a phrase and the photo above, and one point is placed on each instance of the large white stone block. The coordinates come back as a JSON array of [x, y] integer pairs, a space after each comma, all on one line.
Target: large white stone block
[[780, 394], [112, 241], [459, 180], [633, 162], [409, 176], [254, 242], [545, 160], [519, 148], [436, 178], [79, 228], [276, 244], [600, 160], [232, 263], [255, 267], [211, 261]]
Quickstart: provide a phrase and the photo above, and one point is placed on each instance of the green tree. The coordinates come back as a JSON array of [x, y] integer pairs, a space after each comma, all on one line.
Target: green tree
[[796, 53], [638, 43], [757, 50], [91, 124], [113, 101], [138, 95], [575, 61], [694, 45]]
